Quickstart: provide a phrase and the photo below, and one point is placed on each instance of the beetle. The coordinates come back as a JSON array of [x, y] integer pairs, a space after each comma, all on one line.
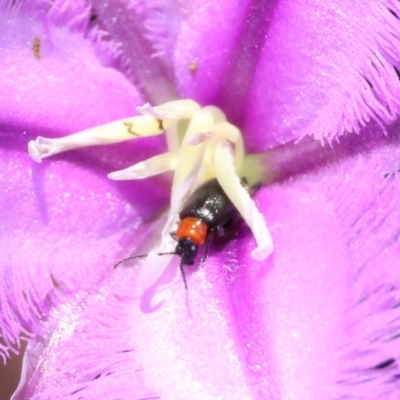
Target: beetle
[[206, 211]]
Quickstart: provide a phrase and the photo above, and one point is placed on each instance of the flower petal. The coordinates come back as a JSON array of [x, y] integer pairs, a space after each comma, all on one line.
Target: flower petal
[[64, 224], [128, 23], [326, 68], [301, 68], [336, 248], [250, 329]]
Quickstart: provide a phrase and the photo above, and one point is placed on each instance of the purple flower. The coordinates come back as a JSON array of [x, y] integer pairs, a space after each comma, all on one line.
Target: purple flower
[[314, 89]]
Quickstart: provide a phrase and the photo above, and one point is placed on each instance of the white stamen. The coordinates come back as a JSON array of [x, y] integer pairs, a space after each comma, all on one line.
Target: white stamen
[[227, 132], [230, 182], [147, 109], [34, 151], [211, 148], [152, 269], [197, 138], [154, 121], [173, 110], [114, 132], [144, 169], [192, 157]]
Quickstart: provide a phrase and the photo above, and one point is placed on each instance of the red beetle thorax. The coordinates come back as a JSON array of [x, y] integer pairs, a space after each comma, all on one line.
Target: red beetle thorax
[[192, 228]]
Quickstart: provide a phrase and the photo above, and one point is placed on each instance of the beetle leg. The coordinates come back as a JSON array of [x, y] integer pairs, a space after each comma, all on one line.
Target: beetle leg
[[251, 189], [255, 188], [230, 228], [221, 232], [207, 247]]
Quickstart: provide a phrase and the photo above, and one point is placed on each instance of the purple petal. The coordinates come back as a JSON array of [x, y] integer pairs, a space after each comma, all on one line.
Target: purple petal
[[335, 247], [255, 330], [144, 59], [288, 327], [283, 70], [62, 221]]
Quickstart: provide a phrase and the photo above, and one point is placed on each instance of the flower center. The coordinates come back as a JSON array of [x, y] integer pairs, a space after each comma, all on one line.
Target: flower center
[[210, 147]]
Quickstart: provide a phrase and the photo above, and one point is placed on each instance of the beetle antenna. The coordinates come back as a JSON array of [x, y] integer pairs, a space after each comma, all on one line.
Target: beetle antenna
[[168, 253], [129, 258], [139, 256], [181, 267]]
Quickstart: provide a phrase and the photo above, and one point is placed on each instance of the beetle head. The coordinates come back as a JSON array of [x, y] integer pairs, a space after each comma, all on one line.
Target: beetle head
[[187, 250]]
